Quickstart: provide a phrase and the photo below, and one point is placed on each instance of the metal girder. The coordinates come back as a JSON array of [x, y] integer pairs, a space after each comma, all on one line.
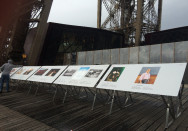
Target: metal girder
[[133, 18], [25, 16]]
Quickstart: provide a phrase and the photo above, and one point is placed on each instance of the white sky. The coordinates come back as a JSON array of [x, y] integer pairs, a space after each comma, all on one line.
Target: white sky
[[84, 13]]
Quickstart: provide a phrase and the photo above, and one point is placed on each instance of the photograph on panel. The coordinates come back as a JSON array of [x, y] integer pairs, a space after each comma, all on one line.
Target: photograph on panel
[[20, 71], [69, 72], [93, 73], [81, 73], [52, 72], [41, 71], [13, 70], [28, 71], [147, 75], [115, 73]]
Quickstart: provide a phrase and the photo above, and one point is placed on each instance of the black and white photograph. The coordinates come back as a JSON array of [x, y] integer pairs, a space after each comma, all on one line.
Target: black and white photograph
[[93, 73], [69, 72]]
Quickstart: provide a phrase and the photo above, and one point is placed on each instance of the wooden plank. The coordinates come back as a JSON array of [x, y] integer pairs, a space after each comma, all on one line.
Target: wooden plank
[[12, 120]]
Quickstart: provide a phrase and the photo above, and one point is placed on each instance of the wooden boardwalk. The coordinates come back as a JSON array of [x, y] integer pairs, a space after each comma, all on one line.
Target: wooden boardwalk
[[19, 111], [11, 120]]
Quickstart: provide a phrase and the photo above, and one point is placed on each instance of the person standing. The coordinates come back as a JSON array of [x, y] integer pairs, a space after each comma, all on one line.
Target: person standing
[[5, 76]]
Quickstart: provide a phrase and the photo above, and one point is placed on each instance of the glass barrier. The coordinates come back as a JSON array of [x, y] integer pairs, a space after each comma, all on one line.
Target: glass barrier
[[133, 55], [143, 55], [155, 53], [114, 56], [168, 53]]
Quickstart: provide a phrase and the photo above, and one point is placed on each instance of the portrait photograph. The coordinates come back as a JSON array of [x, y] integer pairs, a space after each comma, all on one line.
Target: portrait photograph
[[28, 71], [52, 72], [115, 73], [41, 72], [93, 73], [147, 75]]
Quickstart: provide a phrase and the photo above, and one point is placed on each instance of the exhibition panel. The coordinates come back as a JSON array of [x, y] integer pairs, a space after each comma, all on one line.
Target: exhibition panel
[[47, 74], [25, 72], [158, 79], [86, 76]]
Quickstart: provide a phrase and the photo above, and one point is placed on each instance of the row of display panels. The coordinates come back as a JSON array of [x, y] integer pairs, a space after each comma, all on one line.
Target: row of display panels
[[86, 76], [159, 79]]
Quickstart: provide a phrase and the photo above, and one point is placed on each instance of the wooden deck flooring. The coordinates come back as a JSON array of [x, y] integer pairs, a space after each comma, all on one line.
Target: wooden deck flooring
[[19, 111]]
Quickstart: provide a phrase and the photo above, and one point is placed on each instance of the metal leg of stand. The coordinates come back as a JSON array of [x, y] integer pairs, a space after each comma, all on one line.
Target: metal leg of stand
[[119, 103], [17, 85], [29, 89], [36, 90], [54, 94], [128, 98], [86, 92], [169, 111], [94, 99], [180, 105], [65, 95], [109, 96], [112, 102], [75, 90]]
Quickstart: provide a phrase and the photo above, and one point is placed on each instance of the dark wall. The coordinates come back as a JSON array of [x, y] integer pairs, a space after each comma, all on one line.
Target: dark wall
[[167, 36], [74, 39]]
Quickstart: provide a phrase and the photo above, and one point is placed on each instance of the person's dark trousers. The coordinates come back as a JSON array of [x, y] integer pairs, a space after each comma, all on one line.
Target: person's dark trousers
[[3, 79]]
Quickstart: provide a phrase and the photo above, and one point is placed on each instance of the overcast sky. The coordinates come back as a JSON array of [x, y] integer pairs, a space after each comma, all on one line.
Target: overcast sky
[[84, 13]]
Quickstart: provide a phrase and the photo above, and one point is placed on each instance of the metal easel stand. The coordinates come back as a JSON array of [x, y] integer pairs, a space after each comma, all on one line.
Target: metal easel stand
[[14, 82], [86, 92], [37, 85], [172, 111], [67, 92], [73, 92], [25, 84], [116, 97], [31, 83], [98, 95], [111, 97], [20, 84], [57, 89], [180, 105]]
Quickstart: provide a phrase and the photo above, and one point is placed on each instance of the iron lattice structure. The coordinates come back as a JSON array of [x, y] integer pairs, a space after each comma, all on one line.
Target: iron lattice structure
[[133, 18], [24, 15]]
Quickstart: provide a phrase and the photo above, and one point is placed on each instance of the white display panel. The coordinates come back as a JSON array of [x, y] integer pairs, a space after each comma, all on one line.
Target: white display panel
[[86, 76], [25, 72], [14, 70], [47, 74], [161, 79]]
